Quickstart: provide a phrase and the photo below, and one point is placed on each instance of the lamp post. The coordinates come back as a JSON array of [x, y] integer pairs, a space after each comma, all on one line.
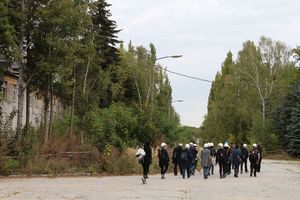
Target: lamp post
[[175, 101], [173, 56], [152, 76]]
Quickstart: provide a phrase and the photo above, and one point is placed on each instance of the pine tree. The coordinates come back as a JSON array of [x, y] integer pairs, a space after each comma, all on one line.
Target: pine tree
[[293, 127]]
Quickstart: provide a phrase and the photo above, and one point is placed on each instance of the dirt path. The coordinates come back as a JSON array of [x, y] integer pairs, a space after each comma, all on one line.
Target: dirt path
[[278, 180]]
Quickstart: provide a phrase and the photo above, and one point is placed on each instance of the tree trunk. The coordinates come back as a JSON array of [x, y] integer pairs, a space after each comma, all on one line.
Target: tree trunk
[[27, 107], [21, 77], [73, 103], [46, 114], [51, 107]]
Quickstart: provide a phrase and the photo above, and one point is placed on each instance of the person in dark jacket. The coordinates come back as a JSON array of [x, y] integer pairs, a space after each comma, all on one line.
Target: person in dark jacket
[[212, 157], [253, 158], [222, 159], [163, 157], [229, 160], [236, 159], [205, 161], [176, 158], [147, 159], [193, 151], [260, 150], [245, 154], [185, 161]]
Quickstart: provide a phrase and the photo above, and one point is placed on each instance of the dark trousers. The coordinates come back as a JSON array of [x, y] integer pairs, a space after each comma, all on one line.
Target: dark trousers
[[163, 168], [187, 170], [236, 169], [222, 169], [176, 165], [253, 167], [146, 168], [228, 168], [259, 164], [212, 168], [242, 163]]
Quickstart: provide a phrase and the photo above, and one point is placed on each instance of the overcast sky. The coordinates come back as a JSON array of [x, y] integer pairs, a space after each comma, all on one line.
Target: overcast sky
[[203, 31]]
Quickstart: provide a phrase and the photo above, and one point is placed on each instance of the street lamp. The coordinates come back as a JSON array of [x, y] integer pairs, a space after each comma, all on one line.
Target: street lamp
[[152, 75], [174, 101], [173, 56]]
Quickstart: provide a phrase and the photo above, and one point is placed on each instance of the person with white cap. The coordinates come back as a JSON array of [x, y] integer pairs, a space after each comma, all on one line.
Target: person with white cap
[[212, 157], [245, 155], [228, 164], [163, 157], [253, 158], [222, 159], [193, 152], [205, 162], [185, 161]]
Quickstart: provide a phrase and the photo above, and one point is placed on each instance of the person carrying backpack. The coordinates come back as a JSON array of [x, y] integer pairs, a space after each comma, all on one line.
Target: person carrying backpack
[[147, 159], [245, 155], [236, 159], [163, 157], [140, 154], [205, 161], [222, 159], [253, 158], [185, 161]]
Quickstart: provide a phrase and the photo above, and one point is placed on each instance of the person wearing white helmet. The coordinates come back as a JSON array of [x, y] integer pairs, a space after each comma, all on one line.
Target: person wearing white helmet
[[245, 154], [228, 164], [222, 159], [212, 158], [205, 161], [185, 161], [193, 152], [253, 158], [163, 157]]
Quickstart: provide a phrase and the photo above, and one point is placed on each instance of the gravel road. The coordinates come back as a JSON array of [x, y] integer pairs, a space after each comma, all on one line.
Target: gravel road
[[278, 180]]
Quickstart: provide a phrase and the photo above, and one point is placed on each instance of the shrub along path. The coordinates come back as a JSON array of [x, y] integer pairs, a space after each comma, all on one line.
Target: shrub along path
[[278, 180]]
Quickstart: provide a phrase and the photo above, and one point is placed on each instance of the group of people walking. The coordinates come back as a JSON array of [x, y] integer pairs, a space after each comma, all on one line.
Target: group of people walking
[[185, 158]]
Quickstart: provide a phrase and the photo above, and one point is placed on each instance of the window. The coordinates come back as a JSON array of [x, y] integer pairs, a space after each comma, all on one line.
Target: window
[[4, 89], [14, 97]]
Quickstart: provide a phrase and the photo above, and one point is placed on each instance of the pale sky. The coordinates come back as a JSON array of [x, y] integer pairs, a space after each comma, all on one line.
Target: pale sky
[[203, 31]]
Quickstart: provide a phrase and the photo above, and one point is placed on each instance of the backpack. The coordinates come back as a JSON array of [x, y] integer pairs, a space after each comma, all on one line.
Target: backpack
[[184, 156], [222, 156], [140, 154], [253, 156]]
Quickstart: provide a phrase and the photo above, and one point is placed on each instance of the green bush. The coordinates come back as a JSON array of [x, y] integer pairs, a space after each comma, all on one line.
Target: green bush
[[10, 167]]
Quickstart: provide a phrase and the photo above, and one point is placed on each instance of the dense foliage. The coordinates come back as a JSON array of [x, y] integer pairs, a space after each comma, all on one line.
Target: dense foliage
[[113, 97], [246, 93]]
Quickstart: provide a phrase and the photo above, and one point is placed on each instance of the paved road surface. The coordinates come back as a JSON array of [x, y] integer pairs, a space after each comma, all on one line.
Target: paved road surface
[[278, 180]]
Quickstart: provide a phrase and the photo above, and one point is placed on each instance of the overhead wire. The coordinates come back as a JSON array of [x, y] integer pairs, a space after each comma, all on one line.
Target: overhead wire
[[184, 75]]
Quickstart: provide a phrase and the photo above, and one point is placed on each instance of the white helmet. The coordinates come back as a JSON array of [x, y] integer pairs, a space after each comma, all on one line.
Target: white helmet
[[254, 145], [187, 146], [226, 145], [191, 144], [194, 145], [212, 144], [163, 144], [220, 145], [205, 145], [180, 144], [244, 145]]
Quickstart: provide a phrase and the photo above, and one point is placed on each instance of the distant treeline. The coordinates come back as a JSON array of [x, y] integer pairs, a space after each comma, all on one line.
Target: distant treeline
[[255, 98]]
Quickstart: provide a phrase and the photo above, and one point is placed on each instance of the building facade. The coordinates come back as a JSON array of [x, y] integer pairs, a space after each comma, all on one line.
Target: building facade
[[9, 103]]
